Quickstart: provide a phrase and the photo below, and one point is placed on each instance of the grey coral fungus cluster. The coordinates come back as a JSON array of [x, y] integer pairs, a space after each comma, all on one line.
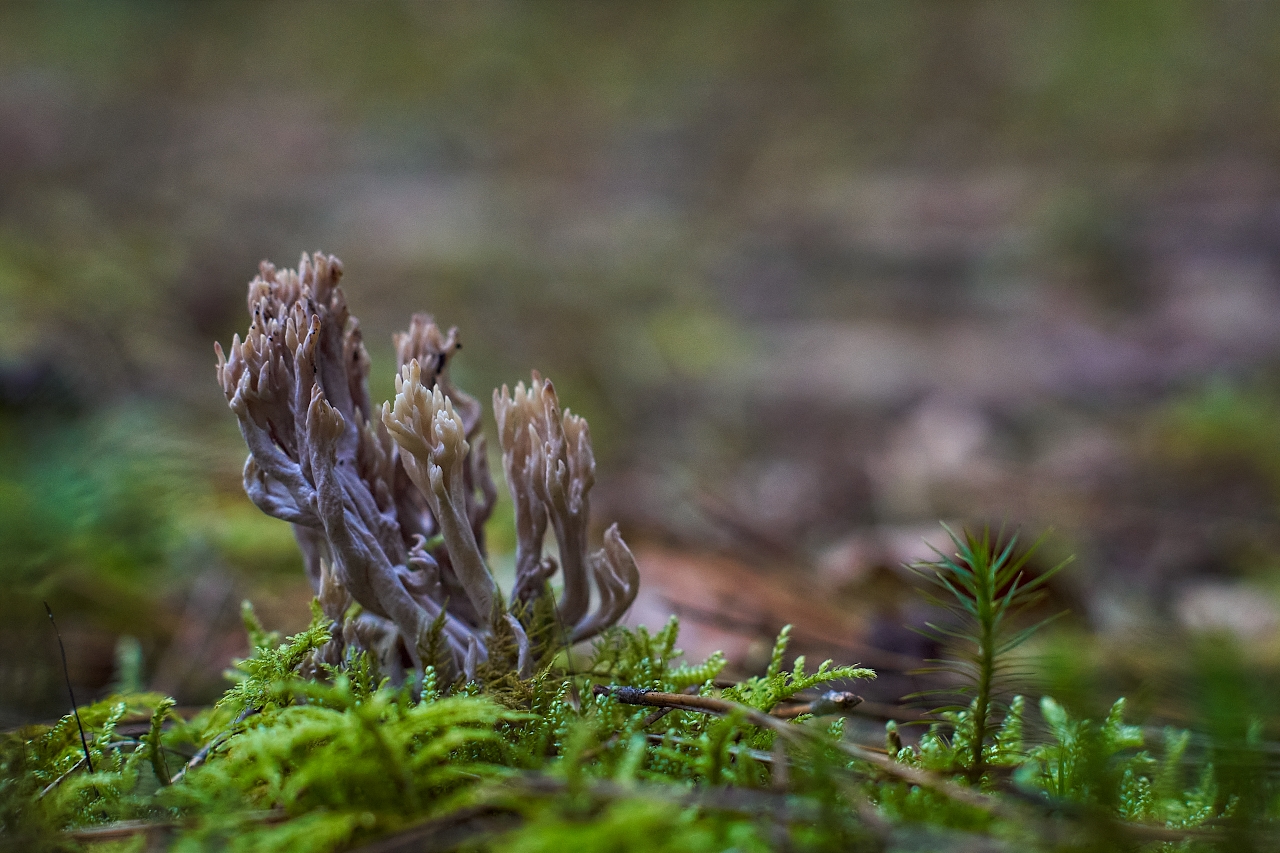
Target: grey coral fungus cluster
[[389, 507]]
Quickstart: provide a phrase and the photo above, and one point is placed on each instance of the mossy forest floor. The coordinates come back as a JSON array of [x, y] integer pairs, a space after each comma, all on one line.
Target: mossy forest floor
[[630, 747]]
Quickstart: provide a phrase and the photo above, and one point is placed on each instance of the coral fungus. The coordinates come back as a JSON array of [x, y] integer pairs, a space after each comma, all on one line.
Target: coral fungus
[[390, 511]]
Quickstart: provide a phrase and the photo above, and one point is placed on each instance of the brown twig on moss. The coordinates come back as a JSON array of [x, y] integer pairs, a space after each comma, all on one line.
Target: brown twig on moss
[[218, 740], [987, 803], [830, 702], [56, 782]]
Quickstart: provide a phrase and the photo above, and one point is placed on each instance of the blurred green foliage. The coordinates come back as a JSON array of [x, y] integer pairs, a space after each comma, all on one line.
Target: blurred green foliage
[[102, 500], [1225, 427], [107, 516]]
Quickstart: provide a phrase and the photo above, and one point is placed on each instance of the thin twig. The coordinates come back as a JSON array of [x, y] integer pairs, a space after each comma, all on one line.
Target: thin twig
[[616, 736], [993, 806], [832, 702], [678, 701], [66, 673], [655, 716], [721, 707], [119, 829], [218, 740], [56, 782]]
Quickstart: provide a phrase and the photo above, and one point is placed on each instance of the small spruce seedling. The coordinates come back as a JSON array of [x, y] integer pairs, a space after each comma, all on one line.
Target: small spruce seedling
[[987, 586]]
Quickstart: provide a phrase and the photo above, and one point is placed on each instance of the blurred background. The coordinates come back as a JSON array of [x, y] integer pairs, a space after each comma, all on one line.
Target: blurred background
[[819, 276]]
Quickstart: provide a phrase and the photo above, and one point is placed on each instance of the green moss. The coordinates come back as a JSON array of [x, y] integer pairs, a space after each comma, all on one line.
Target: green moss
[[292, 763]]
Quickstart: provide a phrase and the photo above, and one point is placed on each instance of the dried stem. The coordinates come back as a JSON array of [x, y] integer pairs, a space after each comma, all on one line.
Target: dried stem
[[987, 803], [66, 674]]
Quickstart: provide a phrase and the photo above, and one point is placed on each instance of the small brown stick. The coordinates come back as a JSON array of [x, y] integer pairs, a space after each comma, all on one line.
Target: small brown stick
[[720, 707], [56, 782], [616, 736], [912, 775], [831, 702], [679, 702], [655, 716], [218, 740]]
